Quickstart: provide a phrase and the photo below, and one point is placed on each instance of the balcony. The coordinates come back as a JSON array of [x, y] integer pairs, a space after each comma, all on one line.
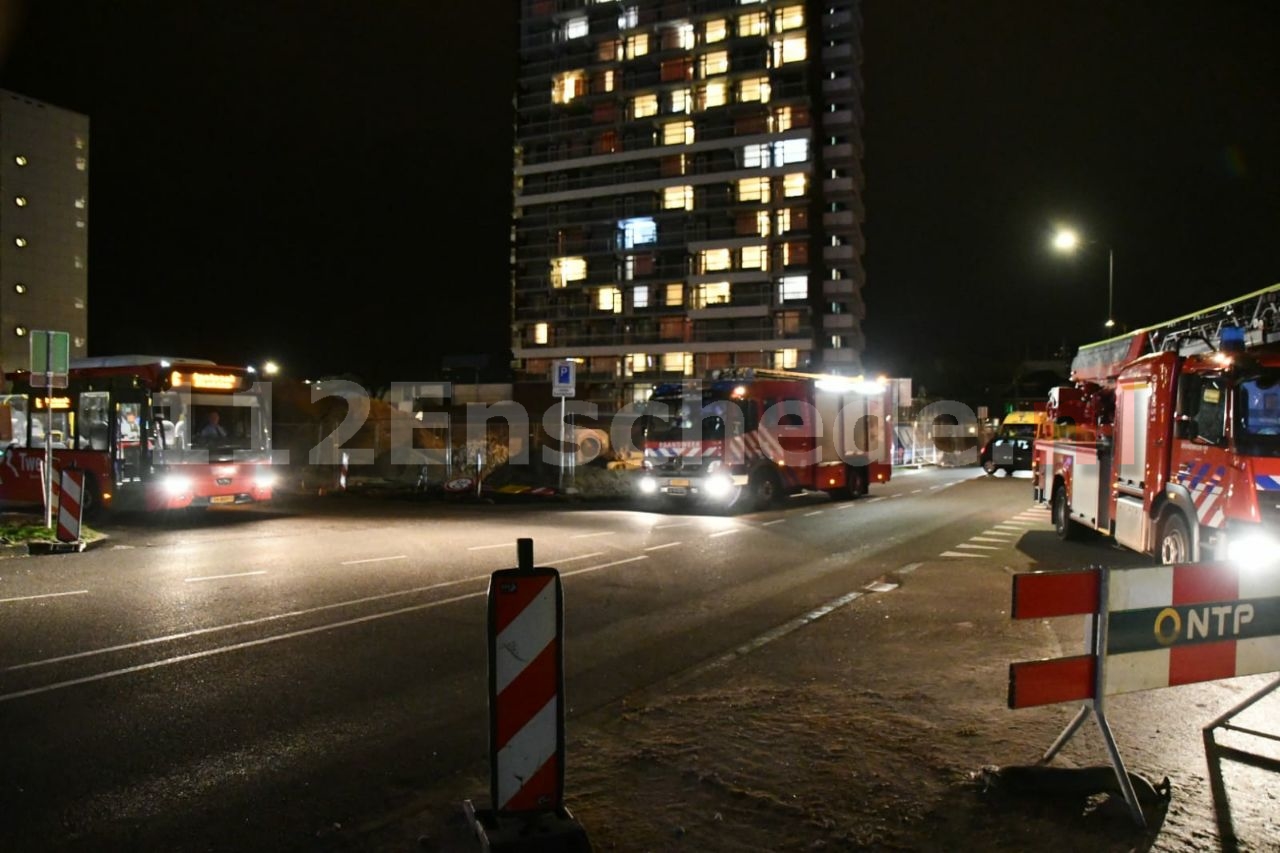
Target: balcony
[[837, 186], [839, 85], [837, 218], [837, 322], [838, 288], [835, 52], [839, 118], [837, 253]]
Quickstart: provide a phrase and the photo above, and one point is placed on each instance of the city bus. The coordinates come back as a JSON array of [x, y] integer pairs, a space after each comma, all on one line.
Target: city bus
[[150, 433]]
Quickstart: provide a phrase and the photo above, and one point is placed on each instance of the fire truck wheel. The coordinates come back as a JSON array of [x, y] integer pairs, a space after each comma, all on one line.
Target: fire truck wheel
[[765, 489], [1062, 523], [1175, 539], [857, 478]]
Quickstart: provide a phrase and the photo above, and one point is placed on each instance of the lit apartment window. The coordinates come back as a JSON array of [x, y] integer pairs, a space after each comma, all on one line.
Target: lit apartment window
[[565, 270], [716, 62], [754, 89], [637, 45], [20, 242], [681, 100], [752, 24], [609, 299], [757, 156], [711, 260], [753, 189], [637, 362], [782, 119], [784, 220], [637, 232], [715, 30], [20, 201], [795, 185], [678, 362], [78, 302], [714, 293], [713, 95], [793, 287], [677, 133], [568, 85], [788, 18], [762, 223], [684, 36], [790, 48], [609, 50], [640, 296], [79, 342], [786, 324], [607, 80], [21, 160], [644, 105], [77, 262], [80, 203], [673, 295], [755, 257], [629, 18], [81, 164], [575, 28], [79, 143], [677, 198], [837, 342], [786, 359], [20, 331], [540, 333], [790, 151], [79, 223], [19, 288]]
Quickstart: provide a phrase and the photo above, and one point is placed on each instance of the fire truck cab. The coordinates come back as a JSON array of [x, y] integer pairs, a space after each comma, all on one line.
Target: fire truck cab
[[753, 437]]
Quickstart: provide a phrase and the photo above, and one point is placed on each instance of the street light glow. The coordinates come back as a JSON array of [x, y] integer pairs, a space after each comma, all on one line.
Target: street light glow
[[271, 368], [1066, 240]]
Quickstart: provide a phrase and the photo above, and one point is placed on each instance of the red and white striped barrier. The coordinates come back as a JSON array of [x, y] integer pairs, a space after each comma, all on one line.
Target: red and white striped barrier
[[526, 712], [70, 510], [1149, 628]]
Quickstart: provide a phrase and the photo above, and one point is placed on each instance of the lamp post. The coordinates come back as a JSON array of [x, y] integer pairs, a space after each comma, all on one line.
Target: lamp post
[[1067, 240]]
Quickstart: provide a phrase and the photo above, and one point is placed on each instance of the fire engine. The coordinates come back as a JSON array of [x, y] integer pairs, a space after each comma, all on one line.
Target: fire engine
[[751, 435], [1168, 440]]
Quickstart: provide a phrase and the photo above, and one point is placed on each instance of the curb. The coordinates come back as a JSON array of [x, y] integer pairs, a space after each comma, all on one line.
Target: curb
[[38, 549]]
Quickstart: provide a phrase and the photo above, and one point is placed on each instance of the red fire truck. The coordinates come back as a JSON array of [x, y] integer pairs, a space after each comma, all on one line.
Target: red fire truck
[[1169, 439], [149, 432], [755, 436]]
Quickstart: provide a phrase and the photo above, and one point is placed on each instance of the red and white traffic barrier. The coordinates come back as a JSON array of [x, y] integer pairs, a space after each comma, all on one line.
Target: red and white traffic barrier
[[1149, 628], [526, 712], [70, 509]]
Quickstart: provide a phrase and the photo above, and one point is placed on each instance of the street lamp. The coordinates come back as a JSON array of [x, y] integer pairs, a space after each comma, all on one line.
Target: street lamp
[[1067, 240]]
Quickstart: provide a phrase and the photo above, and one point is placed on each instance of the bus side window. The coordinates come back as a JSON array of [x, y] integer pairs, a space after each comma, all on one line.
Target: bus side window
[[93, 424]]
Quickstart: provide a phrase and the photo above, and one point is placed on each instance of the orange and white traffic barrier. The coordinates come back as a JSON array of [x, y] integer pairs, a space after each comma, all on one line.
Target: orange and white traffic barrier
[[1149, 628], [70, 510], [526, 711]]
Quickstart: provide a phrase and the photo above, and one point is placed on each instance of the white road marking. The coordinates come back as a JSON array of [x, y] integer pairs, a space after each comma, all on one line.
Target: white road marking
[[880, 586], [775, 521], [589, 535], [873, 500], [44, 595], [262, 641], [487, 547], [815, 512], [962, 554], [895, 496], [373, 560], [978, 547], [987, 539], [1009, 527], [998, 533], [221, 577], [722, 532], [916, 491], [909, 568], [666, 545], [669, 526], [931, 488]]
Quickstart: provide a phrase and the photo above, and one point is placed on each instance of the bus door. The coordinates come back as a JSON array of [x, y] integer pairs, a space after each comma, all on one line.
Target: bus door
[[132, 454]]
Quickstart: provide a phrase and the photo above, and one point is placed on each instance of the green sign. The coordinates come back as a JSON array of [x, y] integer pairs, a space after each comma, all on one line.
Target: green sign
[[50, 354]]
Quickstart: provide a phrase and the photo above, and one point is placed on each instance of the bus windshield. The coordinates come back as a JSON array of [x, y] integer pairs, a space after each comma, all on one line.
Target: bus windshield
[[192, 427]]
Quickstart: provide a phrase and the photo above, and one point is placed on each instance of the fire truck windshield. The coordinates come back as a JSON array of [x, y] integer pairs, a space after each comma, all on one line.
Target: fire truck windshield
[[679, 419], [1257, 413]]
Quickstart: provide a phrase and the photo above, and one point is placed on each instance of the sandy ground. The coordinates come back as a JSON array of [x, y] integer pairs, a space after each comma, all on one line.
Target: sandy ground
[[870, 728]]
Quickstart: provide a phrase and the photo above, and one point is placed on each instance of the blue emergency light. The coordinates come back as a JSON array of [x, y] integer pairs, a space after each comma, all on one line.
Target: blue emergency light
[[1231, 339]]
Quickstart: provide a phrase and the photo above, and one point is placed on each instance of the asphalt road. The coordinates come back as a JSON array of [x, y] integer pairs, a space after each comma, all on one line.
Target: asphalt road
[[257, 679]]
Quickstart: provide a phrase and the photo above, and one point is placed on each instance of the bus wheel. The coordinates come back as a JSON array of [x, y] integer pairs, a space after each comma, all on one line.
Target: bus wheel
[[1175, 539], [90, 499]]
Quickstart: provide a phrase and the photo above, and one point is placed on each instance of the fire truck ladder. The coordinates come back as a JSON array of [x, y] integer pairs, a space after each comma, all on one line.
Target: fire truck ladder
[[1257, 314]]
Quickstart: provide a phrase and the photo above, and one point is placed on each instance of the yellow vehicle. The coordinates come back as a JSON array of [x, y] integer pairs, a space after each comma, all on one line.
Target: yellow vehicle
[[1010, 448]]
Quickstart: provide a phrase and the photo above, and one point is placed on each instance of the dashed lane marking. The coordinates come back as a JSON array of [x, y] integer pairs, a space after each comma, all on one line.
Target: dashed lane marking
[[962, 554], [223, 577], [44, 595], [664, 545], [373, 560], [815, 512], [775, 521], [978, 547]]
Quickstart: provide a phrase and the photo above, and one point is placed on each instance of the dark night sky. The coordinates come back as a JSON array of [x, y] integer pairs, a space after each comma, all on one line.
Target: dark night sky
[[250, 158]]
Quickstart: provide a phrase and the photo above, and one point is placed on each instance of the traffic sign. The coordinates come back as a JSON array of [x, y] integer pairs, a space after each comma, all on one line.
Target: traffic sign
[[50, 357], [562, 378]]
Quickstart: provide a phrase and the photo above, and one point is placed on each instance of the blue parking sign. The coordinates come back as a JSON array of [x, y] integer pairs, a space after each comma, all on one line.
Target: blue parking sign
[[563, 379]]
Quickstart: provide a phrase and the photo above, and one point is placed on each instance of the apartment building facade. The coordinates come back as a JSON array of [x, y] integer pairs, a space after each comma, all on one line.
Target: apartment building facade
[[44, 226], [687, 191]]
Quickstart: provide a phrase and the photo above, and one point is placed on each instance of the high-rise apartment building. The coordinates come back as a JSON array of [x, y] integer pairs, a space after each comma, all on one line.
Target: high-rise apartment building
[[44, 226], [688, 188]]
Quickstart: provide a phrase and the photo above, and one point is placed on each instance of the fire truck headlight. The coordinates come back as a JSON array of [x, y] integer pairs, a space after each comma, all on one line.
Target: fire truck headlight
[[176, 484], [719, 485], [1254, 551], [648, 485], [264, 479]]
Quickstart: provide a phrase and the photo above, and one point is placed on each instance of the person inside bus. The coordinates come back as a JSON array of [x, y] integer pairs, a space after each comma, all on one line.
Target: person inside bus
[[129, 427], [212, 429]]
